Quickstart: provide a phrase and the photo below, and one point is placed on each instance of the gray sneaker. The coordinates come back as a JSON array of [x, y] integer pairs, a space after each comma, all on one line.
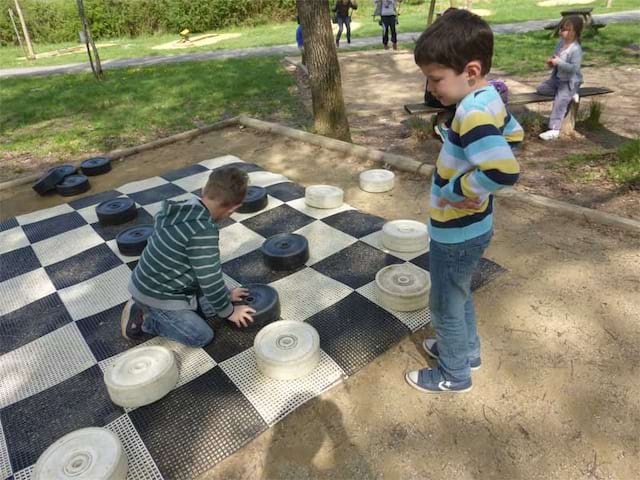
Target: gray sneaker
[[430, 346]]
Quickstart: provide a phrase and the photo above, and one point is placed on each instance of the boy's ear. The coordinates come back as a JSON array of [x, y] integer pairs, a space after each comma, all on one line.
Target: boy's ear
[[473, 69]]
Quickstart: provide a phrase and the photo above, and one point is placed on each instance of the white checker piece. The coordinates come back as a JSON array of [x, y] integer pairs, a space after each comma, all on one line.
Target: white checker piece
[[275, 399], [5, 463], [44, 214], [307, 292], [220, 161], [272, 202], [43, 363], [192, 362], [192, 182], [318, 213], [413, 320], [24, 289], [13, 239], [25, 473], [141, 465], [237, 240], [141, 185], [324, 240], [66, 245], [97, 294], [265, 179], [375, 240]]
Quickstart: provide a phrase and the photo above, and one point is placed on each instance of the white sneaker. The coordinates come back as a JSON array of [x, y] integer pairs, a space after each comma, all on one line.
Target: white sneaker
[[576, 98], [550, 135]]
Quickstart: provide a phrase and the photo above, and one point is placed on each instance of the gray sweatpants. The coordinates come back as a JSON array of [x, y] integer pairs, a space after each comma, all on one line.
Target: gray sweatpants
[[563, 94]]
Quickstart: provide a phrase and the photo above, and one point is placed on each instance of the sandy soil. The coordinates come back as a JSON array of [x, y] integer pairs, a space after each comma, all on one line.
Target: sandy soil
[[557, 396], [376, 85]]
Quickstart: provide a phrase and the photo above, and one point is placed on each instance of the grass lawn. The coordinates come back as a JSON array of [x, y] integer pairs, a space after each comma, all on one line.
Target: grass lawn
[[69, 116], [621, 166], [412, 18], [64, 117]]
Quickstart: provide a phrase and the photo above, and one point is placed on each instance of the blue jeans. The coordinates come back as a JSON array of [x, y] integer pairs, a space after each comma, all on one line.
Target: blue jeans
[[346, 21], [451, 266], [184, 326]]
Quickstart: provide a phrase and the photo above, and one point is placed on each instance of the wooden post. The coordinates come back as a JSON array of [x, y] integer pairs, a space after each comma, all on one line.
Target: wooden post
[[89, 39], [609, 2], [432, 9], [30, 54], [568, 126], [15, 29]]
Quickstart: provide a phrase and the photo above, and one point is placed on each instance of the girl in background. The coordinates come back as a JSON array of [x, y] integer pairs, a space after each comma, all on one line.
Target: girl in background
[[565, 76]]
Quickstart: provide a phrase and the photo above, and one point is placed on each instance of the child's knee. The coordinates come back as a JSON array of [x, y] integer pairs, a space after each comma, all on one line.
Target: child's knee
[[202, 339]]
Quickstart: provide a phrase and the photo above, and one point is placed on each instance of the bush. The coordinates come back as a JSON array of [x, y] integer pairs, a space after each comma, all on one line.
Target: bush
[[56, 21]]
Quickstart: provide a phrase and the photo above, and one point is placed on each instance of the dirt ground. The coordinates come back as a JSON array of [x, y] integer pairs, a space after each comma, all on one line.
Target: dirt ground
[[557, 397], [376, 85]]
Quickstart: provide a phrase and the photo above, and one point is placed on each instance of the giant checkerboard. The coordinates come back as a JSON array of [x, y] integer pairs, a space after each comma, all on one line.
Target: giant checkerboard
[[62, 287]]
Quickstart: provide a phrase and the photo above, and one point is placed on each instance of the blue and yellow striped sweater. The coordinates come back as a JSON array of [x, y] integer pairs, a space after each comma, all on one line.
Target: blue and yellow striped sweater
[[475, 160]]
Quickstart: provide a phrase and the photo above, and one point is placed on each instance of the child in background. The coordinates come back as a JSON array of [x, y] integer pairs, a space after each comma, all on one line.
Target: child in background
[[476, 159], [343, 17], [565, 76], [300, 40]]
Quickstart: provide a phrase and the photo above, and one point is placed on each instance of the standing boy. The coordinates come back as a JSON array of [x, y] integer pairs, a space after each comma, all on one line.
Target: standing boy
[[475, 160], [179, 271]]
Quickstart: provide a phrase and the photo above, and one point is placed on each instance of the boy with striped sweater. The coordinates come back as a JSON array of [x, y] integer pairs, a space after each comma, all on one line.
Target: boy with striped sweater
[[476, 159], [179, 271]]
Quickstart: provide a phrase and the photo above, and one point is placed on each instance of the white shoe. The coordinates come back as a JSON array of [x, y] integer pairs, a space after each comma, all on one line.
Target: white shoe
[[550, 135], [576, 98]]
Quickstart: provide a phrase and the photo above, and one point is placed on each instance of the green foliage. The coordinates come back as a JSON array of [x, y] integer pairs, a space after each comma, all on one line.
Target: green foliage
[[53, 21], [531, 122], [625, 169], [419, 127], [591, 120], [622, 165], [67, 116]]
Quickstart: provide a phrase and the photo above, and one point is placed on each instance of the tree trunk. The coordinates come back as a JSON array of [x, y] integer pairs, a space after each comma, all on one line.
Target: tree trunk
[[27, 38], [329, 114], [89, 41]]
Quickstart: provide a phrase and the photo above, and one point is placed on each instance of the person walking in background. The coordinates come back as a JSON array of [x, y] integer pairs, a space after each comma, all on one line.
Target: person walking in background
[[388, 12], [343, 17]]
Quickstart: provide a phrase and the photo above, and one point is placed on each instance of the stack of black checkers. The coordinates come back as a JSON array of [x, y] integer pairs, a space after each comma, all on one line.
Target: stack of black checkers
[[117, 211], [65, 180]]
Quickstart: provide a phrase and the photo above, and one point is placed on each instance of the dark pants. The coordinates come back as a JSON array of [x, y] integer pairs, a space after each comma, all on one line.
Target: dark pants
[[346, 21], [389, 22]]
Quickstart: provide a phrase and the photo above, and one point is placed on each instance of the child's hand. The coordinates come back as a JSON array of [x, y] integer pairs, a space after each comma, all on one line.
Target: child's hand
[[553, 60], [241, 316], [466, 204], [238, 294]]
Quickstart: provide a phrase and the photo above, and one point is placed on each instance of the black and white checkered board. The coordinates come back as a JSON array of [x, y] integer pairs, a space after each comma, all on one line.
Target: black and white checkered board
[[62, 287]]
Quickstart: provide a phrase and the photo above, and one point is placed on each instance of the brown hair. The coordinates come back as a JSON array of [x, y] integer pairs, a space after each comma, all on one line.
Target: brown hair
[[576, 22], [454, 40], [227, 185]]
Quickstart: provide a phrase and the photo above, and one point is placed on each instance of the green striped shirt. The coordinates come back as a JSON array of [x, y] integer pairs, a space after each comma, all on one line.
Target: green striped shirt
[[181, 258]]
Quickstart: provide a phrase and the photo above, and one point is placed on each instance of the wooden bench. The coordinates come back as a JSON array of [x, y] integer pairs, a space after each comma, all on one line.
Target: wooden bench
[[587, 19], [524, 99]]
